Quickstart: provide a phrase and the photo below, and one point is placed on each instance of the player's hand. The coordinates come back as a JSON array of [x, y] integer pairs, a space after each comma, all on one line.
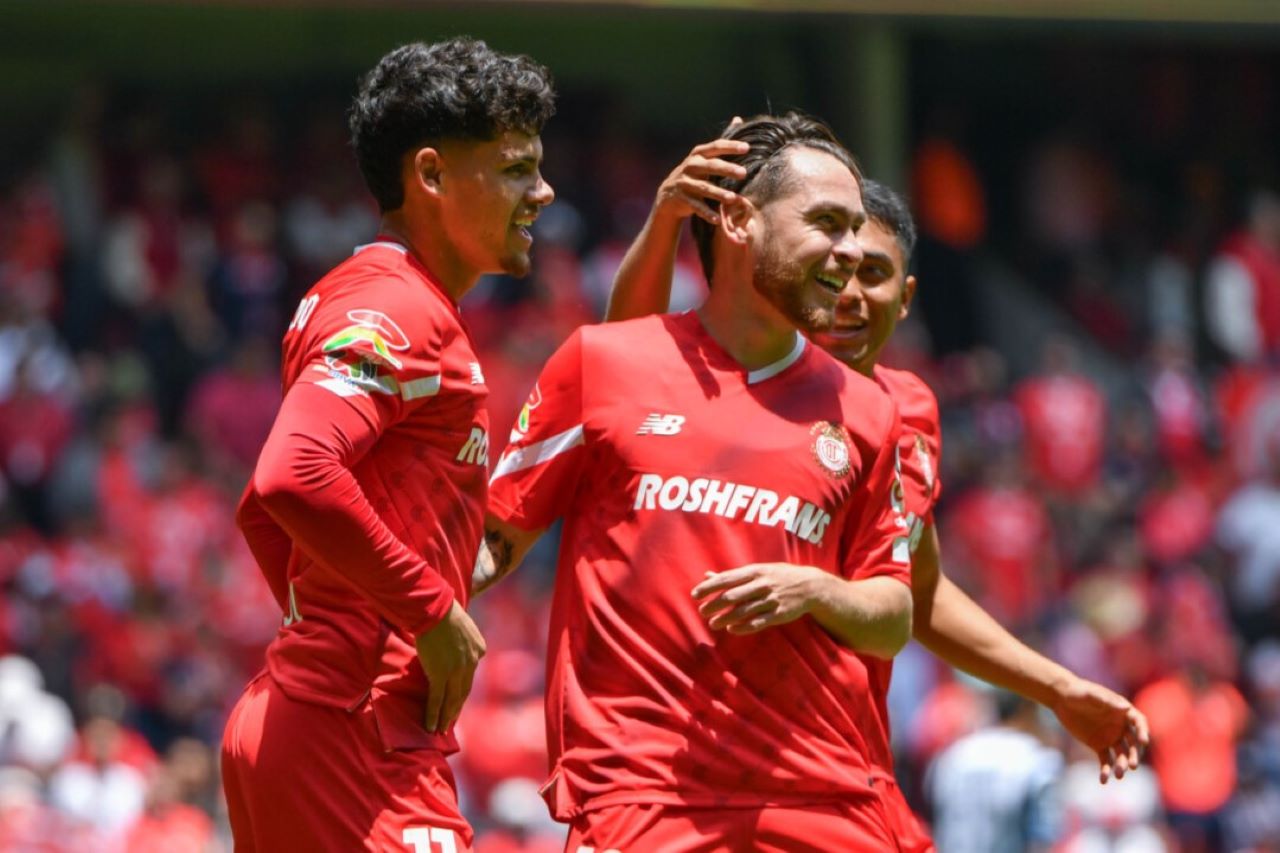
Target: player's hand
[[1107, 723], [449, 654], [686, 190], [757, 596]]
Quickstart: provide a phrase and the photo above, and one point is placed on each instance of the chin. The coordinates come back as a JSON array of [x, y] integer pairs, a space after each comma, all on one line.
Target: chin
[[517, 266]]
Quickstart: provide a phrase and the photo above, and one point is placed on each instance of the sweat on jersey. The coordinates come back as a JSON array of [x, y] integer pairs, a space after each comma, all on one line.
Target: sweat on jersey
[[366, 507], [667, 460]]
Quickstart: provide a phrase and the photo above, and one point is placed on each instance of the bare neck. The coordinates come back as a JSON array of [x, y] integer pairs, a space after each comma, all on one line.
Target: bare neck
[[742, 322], [427, 242]]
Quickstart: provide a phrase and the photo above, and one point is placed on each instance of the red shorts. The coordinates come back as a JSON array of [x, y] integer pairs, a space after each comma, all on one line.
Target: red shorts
[[676, 829], [300, 776]]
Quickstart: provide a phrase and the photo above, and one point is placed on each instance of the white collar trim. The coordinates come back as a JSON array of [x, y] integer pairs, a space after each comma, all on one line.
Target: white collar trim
[[771, 370], [383, 243]]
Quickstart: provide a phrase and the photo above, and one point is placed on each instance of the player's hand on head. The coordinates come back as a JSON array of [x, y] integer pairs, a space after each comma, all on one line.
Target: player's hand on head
[[754, 597], [449, 654], [1107, 723], [688, 190]]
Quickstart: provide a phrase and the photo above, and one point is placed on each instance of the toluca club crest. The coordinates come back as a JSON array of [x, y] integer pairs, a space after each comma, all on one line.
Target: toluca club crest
[[831, 448]]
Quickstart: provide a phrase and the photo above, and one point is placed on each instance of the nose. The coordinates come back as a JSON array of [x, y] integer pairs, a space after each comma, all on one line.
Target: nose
[[542, 193], [848, 251]]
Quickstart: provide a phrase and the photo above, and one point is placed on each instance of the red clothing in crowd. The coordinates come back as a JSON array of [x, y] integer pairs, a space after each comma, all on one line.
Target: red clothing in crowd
[[1065, 419], [1002, 534], [1193, 741]]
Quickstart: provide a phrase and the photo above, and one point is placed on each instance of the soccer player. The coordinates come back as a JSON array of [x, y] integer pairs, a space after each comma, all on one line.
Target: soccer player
[[368, 499], [946, 620], [715, 439]]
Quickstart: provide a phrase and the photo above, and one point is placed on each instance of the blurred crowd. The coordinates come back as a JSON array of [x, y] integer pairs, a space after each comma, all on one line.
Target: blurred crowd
[[1112, 494]]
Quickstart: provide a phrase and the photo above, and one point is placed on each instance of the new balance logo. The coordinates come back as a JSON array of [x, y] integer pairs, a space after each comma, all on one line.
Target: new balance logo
[[477, 378], [657, 424]]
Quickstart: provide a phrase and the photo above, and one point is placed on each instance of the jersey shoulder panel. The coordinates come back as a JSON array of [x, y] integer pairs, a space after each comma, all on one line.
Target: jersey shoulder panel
[[375, 325], [917, 404]]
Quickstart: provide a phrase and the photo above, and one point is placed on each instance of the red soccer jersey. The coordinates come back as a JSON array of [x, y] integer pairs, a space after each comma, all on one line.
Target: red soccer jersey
[[668, 460], [383, 425], [919, 455]]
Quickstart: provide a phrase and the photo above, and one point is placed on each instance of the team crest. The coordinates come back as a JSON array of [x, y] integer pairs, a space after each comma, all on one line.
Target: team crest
[[831, 448], [926, 461]]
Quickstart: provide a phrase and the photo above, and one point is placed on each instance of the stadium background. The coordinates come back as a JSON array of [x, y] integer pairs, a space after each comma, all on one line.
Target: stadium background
[[172, 178]]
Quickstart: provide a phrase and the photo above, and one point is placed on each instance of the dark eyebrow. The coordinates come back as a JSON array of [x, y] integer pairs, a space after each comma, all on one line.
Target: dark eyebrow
[[878, 257], [512, 159], [857, 220]]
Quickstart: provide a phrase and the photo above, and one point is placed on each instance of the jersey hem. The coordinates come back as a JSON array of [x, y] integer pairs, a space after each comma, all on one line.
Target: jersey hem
[[669, 798]]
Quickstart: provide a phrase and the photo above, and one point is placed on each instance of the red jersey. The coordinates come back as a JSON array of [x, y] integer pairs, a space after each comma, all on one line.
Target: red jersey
[[919, 455], [667, 460], [1066, 426], [384, 435]]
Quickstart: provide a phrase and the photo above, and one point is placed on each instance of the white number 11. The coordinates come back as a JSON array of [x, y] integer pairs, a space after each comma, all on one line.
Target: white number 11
[[420, 838]]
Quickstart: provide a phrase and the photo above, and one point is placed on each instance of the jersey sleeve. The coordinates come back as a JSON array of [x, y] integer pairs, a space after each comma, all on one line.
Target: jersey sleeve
[[382, 360], [363, 361], [876, 539], [268, 542], [304, 481], [538, 474]]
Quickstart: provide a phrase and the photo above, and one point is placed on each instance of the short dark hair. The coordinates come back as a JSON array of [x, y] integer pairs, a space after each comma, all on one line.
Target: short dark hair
[[767, 172], [886, 206], [457, 89]]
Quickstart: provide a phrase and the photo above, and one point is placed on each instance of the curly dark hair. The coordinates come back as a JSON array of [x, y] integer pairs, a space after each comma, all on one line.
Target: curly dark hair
[[767, 173], [886, 206], [457, 89]]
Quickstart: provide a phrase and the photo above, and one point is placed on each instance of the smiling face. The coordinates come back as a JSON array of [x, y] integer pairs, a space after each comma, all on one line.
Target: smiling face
[[492, 191], [804, 239], [872, 304]]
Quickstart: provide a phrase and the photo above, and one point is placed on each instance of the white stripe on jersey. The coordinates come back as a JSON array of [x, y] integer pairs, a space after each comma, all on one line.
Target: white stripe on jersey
[[427, 386], [537, 453], [771, 370]]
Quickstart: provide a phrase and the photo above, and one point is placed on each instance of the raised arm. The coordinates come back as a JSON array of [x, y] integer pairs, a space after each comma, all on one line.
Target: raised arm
[[955, 628], [643, 282]]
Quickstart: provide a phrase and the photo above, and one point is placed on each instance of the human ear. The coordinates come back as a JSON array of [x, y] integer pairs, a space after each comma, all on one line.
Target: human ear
[[735, 219], [908, 293], [427, 170]]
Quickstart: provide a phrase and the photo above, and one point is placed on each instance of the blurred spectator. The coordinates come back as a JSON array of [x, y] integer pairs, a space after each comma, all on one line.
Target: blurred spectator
[[1242, 285], [151, 246], [231, 408], [248, 280], [1002, 544], [1249, 530], [1195, 724], [100, 789], [36, 729], [166, 824], [997, 790], [1122, 818], [1179, 403], [1065, 418]]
